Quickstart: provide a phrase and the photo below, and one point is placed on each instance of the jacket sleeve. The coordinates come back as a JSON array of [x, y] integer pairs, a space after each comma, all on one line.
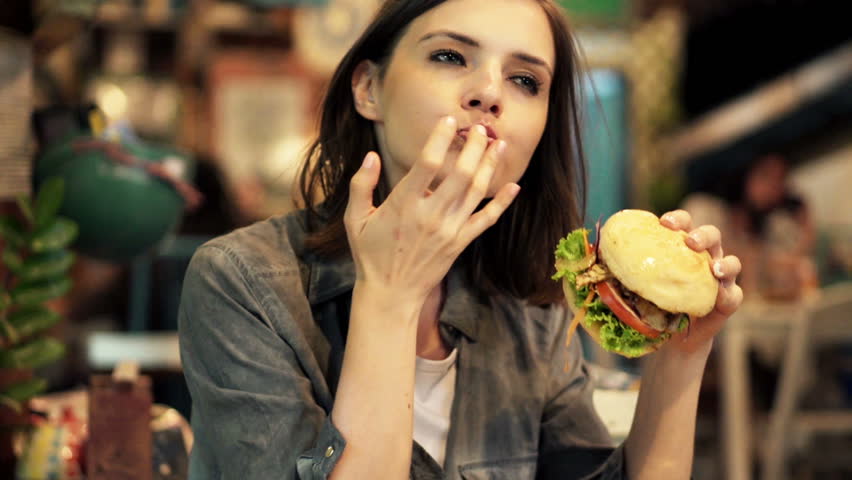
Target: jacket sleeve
[[574, 442], [254, 414]]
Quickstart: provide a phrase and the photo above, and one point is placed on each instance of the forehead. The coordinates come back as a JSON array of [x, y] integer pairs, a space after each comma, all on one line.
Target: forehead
[[510, 25]]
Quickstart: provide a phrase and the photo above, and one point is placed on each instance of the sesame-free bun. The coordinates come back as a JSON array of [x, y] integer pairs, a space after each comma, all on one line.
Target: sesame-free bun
[[655, 263]]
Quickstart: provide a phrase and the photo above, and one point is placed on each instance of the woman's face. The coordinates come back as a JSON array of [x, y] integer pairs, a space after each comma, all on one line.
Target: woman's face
[[766, 182], [484, 62]]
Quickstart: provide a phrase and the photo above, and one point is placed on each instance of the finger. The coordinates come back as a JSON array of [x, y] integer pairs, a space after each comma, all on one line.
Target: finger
[[482, 178], [729, 299], [706, 237], [727, 269], [488, 216], [451, 191], [420, 177], [677, 220], [361, 188]]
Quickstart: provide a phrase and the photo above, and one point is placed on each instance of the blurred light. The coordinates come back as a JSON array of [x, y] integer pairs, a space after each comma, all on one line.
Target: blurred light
[[112, 100], [281, 164]]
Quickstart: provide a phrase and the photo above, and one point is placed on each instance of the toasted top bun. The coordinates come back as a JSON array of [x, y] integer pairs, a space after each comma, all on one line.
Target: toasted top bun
[[655, 263]]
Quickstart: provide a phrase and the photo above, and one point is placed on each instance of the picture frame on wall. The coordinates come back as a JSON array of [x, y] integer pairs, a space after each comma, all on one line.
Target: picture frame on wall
[[263, 113]]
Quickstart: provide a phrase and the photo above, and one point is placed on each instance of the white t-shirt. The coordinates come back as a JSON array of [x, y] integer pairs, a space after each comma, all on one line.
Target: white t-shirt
[[434, 388]]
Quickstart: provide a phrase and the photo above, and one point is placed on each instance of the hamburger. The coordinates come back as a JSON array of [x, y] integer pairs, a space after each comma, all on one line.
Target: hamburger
[[636, 285]]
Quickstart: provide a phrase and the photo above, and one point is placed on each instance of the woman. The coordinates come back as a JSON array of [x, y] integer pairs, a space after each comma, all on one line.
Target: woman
[[454, 334], [767, 224]]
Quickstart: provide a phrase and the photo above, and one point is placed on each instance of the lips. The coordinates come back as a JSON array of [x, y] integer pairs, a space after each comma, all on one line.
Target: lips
[[492, 135]]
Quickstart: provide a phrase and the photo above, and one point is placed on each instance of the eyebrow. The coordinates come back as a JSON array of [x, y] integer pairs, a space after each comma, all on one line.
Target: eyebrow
[[524, 57]]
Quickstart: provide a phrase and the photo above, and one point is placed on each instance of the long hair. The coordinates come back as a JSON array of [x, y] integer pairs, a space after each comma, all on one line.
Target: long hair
[[515, 256]]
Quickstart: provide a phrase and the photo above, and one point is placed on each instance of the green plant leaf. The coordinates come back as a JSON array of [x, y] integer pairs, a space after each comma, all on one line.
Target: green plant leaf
[[34, 354], [23, 391], [48, 200], [26, 208], [45, 265], [28, 322], [58, 234], [13, 260], [13, 232], [9, 333], [5, 300], [15, 406], [31, 294]]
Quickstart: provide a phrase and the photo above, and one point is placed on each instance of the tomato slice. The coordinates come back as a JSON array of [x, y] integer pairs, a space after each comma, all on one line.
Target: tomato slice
[[613, 300]]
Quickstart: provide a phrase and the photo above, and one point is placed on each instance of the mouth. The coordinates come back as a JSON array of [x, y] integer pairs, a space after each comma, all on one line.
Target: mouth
[[492, 135]]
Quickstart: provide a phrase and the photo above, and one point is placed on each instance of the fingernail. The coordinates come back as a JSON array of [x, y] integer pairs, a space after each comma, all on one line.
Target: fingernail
[[450, 121], [514, 189], [717, 269], [369, 160], [501, 147], [669, 218], [696, 239], [480, 129]]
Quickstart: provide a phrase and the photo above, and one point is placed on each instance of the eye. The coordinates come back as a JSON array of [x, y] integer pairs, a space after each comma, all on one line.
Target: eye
[[448, 56], [528, 83]]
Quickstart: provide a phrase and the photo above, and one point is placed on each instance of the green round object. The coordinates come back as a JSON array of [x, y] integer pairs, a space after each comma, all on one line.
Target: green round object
[[122, 210]]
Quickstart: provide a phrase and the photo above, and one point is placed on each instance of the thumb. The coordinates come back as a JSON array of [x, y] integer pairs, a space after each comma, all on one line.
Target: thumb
[[362, 185]]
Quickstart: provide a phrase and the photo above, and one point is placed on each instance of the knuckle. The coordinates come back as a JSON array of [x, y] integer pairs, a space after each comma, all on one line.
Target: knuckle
[[713, 231], [427, 225], [733, 263], [737, 293], [446, 234], [465, 173], [430, 162], [681, 214], [355, 184], [732, 298], [479, 189], [489, 217]]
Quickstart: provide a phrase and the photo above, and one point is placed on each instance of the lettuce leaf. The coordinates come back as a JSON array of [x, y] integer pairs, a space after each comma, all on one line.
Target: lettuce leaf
[[684, 323], [616, 336], [571, 249]]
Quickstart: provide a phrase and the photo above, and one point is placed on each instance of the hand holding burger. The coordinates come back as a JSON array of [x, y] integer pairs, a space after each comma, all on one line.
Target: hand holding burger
[[645, 281]]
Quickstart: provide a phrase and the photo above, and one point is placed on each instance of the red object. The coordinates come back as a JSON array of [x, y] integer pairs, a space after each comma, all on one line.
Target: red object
[[613, 300], [75, 442]]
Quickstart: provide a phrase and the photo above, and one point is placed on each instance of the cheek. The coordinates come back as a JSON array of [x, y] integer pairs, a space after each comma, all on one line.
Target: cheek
[[519, 154], [510, 170]]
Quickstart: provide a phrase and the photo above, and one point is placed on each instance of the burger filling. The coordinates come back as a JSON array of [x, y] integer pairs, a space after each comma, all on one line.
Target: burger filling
[[654, 316], [648, 313]]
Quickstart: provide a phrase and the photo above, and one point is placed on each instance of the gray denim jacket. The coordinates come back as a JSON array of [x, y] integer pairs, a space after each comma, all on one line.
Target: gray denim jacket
[[262, 330]]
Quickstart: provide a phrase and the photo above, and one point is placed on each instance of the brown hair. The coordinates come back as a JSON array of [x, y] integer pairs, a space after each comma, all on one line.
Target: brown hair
[[515, 256]]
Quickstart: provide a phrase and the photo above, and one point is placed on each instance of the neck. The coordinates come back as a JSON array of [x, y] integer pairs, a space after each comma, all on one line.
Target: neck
[[430, 345]]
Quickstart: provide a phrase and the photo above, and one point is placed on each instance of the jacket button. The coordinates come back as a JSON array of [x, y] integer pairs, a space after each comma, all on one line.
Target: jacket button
[[329, 452]]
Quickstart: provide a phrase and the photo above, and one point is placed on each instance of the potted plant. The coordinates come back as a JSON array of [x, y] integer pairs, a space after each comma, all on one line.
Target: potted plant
[[35, 270]]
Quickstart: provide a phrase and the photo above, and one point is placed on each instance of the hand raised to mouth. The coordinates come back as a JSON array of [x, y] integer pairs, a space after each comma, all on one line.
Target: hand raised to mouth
[[408, 243]]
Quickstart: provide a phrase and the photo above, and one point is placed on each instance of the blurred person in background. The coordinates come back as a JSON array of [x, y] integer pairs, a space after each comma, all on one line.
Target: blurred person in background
[[766, 224]]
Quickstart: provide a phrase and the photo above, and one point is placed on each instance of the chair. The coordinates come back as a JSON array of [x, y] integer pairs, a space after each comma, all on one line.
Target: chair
[[826, 321]]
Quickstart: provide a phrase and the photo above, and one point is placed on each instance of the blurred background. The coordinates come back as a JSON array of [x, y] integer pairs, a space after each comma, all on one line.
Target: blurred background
[[131, 131]]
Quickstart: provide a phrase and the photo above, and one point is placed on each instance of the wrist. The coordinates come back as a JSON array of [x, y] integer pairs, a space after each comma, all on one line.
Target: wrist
[[677, 362], [376, 301]]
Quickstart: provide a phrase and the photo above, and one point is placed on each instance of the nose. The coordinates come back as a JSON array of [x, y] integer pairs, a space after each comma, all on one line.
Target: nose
[[484, 91]]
